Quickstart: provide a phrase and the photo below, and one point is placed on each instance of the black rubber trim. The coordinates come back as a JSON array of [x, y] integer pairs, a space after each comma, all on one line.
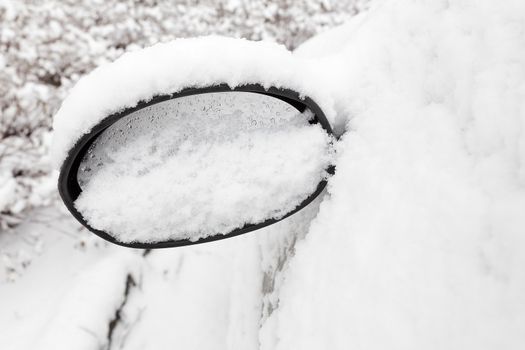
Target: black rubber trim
[[69, 188]]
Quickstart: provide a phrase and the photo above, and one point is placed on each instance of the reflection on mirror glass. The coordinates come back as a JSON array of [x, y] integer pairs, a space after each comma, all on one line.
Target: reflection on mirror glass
[[201, 165]]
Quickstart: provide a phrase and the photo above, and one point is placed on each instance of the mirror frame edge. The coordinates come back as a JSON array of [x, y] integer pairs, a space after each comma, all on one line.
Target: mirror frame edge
[[69, 188]]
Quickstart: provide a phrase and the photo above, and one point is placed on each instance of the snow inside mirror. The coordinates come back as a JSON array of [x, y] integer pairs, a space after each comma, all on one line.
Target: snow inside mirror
[[200, 167]]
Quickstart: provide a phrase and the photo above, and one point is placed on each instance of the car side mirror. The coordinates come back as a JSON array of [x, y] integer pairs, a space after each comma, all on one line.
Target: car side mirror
[[198, 165]]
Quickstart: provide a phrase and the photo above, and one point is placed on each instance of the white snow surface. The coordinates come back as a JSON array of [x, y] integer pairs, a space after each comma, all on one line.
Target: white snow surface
[[67, 290], [170, 67], [201, 165], [419, 243]]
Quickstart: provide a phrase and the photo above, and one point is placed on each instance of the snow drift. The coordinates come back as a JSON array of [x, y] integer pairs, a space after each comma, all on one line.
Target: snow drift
[[421, 244]]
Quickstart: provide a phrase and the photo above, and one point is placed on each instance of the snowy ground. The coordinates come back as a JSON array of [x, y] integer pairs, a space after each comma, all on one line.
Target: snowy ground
[[419, 242], [86, 294]]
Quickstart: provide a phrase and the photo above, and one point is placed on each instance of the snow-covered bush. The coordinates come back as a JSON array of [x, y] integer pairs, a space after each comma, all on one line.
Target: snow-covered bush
[[46, 46]]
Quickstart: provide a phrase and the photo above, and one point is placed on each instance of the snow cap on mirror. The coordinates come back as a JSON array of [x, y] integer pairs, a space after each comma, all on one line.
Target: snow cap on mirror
[[171, 67]]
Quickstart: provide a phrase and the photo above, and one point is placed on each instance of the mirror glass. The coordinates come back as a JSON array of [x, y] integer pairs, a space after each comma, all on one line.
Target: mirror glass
[[201, 165]]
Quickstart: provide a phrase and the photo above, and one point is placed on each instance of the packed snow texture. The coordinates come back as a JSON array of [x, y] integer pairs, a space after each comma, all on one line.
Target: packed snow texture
[[170, 67], [201, 165], [421, 244]]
